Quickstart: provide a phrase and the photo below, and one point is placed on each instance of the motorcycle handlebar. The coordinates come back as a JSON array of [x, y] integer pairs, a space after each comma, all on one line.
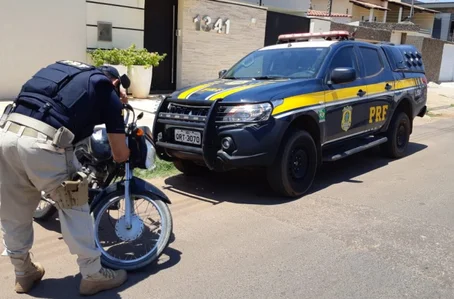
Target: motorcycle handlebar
[[128, 108]]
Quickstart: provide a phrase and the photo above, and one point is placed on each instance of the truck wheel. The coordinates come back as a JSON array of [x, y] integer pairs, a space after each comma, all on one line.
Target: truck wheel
[[293, 171], [189, 168], [398, 137]]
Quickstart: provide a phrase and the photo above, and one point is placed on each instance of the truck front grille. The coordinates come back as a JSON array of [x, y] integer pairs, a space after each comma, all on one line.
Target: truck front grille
[[184, 112]]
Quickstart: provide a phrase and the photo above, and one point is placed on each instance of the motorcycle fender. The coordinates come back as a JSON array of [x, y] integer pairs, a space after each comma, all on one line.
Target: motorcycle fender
[[136, 185]]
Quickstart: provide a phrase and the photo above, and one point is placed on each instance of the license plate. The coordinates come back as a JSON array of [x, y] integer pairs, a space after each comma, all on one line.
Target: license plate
[[186, 136]]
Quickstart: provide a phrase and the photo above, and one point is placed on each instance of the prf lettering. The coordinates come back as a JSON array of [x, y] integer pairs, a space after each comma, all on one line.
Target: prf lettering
[[377, 113]]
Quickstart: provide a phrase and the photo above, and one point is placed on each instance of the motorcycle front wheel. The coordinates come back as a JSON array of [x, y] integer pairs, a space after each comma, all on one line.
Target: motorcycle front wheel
[[109, 215]]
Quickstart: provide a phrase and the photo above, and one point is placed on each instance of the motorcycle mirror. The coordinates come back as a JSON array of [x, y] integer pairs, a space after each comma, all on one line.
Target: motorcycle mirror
[[139, 117]]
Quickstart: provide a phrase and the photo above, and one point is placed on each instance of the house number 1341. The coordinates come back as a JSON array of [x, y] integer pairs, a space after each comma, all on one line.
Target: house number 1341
[[206, 24]]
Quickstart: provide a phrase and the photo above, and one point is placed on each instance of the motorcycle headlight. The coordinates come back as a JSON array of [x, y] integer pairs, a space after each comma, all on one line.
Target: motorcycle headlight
[[150, 160], [245, 113]]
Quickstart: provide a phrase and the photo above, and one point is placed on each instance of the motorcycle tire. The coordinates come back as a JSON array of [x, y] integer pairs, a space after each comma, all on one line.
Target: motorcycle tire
[[165, 231]]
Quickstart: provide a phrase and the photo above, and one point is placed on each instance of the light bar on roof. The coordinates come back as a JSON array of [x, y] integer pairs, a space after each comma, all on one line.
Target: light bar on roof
[[311, 35]]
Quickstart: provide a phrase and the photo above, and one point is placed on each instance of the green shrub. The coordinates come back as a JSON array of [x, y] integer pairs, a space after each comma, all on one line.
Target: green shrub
[[127, 57]]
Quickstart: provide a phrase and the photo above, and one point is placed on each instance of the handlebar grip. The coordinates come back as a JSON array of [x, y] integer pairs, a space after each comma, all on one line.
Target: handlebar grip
[[128, 107]]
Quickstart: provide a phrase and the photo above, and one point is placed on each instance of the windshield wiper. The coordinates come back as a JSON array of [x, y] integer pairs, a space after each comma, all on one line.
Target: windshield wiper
[[268, 77], [231, 77]]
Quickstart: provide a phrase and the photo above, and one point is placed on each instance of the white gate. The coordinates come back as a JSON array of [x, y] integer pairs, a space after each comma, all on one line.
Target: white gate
[[447, 64]]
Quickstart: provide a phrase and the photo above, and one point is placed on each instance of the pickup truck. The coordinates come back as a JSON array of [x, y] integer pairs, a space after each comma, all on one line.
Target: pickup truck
[[286, 108]]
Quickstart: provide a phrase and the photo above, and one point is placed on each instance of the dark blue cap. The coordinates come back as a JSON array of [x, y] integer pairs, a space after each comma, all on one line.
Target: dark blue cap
[[124, 79]]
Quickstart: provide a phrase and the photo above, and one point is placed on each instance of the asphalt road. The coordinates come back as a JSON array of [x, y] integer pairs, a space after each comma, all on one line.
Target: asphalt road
[[371, 228]]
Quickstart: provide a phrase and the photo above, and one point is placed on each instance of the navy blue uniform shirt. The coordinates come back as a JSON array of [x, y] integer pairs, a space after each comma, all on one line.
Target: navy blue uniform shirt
[[103, 107], [108, 107]]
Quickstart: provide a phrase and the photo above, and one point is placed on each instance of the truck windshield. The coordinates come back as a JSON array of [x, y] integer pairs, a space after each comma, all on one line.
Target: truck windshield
[[288, 63]]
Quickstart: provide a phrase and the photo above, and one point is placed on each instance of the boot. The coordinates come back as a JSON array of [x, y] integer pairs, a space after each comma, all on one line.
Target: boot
[[105, 279], [30, 274]]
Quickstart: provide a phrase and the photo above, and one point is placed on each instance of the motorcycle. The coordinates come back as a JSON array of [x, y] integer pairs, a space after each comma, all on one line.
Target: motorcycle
[[112, 186]]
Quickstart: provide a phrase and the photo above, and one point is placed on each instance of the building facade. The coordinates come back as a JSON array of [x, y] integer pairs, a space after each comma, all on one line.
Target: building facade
[[381, 11], [200, 37], [444, 20]]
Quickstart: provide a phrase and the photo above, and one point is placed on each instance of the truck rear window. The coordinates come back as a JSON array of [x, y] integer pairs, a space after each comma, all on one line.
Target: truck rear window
[[404, 58]]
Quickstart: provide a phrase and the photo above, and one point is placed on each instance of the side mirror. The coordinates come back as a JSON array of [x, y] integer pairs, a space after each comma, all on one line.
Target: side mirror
[[221, 73], [343, 75], [139, 117]]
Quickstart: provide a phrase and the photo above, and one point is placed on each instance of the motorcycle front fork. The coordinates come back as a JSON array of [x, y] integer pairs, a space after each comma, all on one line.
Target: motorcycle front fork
[[128, 201]]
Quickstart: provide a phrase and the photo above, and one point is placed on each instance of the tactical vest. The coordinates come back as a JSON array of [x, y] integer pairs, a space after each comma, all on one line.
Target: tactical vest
[[59, 96]]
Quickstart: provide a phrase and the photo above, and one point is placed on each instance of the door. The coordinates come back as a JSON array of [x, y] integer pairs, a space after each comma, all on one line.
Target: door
[[160, 27], [281, 23], [380, 88], [344, 117]]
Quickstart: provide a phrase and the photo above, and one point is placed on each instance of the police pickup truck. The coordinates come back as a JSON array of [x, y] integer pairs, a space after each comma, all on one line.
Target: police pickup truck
[[286, 108]]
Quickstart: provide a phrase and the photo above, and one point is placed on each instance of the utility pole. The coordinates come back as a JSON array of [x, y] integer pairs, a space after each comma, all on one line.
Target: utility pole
[[330, 4], [412, 10]]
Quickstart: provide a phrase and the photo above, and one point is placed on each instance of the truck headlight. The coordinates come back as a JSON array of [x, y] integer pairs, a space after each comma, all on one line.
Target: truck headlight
[[244, 113]]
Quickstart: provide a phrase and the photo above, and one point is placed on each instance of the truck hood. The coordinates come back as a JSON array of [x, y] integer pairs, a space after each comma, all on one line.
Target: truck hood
[[245, 90]]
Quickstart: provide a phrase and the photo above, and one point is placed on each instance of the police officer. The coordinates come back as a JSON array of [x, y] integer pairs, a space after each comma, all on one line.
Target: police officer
[[59, 106]]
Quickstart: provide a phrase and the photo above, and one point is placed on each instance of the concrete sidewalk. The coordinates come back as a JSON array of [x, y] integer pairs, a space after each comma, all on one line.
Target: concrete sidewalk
[[440, 101]]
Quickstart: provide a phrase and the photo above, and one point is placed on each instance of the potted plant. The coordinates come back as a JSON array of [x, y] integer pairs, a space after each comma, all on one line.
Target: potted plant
[[140, 65], [113, 57], [136, 63]]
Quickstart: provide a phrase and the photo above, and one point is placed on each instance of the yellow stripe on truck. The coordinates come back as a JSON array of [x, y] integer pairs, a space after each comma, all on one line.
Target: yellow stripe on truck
[[329, 96], [187, 93], [343, 93], [406, 83], [300, 101], [230, 91], [380, 87]]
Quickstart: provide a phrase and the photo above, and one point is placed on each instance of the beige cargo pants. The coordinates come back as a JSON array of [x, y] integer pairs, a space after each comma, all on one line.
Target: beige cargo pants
[[27, 166]]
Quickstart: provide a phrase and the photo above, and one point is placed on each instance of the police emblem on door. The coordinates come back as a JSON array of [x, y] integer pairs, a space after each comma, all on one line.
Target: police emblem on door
[[346, 118]]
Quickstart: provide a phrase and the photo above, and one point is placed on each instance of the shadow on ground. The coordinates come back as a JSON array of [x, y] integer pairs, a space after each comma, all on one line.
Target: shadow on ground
[[68, 287], [247, 187]]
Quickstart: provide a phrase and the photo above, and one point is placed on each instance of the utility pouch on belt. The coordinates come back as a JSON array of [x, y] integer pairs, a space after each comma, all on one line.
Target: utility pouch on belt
[[72, 193], [6, 112], [63, 138]]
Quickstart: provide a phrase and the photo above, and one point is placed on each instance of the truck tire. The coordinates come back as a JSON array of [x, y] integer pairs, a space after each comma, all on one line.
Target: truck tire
[[189, 168], [398, 137], [295, 166]]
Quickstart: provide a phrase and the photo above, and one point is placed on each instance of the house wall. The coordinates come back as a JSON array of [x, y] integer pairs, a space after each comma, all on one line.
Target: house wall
[[432, 53], [203, 54], [364, 33], [447, 64], [37, 33], [127, 22], [445, 25], [393, 14], [281, 5], [362, 14], [320, 25], [425, 21], [396, 37], [422, 19], [338, 6]]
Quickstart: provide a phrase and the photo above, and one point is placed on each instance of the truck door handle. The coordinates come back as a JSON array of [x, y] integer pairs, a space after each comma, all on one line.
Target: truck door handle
[[387, 86], [361, 93]]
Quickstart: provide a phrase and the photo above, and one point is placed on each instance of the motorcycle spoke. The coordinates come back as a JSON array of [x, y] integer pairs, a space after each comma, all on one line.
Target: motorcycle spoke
[[135, 249]]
